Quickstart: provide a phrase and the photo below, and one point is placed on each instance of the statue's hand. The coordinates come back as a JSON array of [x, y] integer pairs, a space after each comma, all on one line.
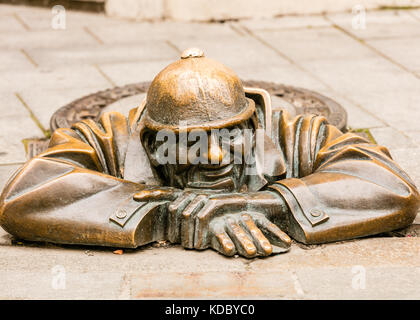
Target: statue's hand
[[249, 234], [229, 223]]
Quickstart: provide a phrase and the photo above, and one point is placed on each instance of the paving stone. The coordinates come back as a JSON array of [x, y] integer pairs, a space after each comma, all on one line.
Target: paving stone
[[397, 49], [381, 24], [131, 33], [315, 44], [44, 103], [131, 72], [234, 51], [55, 286], [379, 86], [5, 238], [139, 51], [6, 172], [286, 22], [13, 130], [41, 19], [414, 135], [377, 283], [408, 159], [357, 116], [15, 58], [46, 39], [11, 106], [146, 273], [83, 76], [272, 284], [10, 24], [283, 73], [391, 138], [415, 14]]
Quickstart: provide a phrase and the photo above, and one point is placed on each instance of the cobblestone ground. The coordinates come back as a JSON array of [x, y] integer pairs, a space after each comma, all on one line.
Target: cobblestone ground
[[373, 72]]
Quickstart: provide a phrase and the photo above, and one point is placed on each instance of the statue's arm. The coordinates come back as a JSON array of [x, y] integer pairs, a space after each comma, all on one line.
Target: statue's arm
[[343, 186], [64, 196]]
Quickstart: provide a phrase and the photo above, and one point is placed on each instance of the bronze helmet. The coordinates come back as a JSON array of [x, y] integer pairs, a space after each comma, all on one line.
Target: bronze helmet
[[198, 93]]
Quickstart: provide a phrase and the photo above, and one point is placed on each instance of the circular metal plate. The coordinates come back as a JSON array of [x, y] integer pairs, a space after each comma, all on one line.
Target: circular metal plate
[[302, 100]]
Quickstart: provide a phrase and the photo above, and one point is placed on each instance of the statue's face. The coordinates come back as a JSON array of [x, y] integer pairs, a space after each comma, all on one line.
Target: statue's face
[[213, 159]]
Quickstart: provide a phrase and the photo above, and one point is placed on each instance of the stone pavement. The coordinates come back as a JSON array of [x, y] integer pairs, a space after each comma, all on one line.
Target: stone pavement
[[374, 73]]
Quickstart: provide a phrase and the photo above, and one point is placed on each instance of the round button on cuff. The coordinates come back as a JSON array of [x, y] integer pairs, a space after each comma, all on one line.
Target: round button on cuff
[[315, 213], [121, 214]]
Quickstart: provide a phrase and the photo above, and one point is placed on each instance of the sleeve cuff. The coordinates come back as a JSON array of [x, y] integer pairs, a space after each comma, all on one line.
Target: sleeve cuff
[[304, 207]]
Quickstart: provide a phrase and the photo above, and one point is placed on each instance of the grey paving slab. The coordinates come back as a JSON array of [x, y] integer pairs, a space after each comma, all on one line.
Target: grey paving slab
[[147, 273], [414, 135], [64, 77], [392, 138], [378, 283], [401, 50], [11, 106], [15, 125], [140, 51], [381, 24], [15, 58], [131, 72], [376, 84], [13, 130], [9, 23], [5, 238], [235, 51], [286, 22], [54, 286], [44, 102], [223, 284], [131, 33], [288, 74], [315, 44], [46, 39], [8, 9], [6, 172], [357, 116], [41, 19], [415, 13], [408, 159]]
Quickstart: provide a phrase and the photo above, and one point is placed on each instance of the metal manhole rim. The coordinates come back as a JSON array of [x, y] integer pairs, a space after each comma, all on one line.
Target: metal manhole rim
[[90, 106]]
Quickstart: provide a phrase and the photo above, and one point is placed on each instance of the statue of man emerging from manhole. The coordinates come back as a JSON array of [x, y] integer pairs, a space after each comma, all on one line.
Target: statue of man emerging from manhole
[[206, 163]]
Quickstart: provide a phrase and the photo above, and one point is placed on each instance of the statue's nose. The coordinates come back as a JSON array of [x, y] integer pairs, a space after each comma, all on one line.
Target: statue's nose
[[215, 154]]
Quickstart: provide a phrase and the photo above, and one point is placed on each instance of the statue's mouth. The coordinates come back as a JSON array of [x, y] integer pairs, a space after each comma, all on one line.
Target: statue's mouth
[[209, 177]]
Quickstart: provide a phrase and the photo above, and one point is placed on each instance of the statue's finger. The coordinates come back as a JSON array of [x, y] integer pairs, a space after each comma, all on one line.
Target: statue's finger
[[225, 244], [242, 241], [187, 221], [202, 220], [174, 215], [261, 242], [274, 234]]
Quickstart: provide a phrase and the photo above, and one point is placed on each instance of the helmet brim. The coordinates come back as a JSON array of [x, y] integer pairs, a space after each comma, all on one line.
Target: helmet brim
[[245, 114]]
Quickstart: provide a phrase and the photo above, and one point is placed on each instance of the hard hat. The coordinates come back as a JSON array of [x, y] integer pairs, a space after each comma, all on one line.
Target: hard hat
[[198, 93]]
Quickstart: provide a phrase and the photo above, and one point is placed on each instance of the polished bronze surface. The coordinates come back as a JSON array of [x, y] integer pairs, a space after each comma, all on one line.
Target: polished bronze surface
[[103, 182]]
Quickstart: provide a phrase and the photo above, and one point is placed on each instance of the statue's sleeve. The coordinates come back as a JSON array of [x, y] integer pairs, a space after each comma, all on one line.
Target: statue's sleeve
[[74, 192], [340, 186]]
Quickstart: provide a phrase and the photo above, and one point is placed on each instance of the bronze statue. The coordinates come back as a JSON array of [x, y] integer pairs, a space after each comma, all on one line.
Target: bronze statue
[[108, 183]]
